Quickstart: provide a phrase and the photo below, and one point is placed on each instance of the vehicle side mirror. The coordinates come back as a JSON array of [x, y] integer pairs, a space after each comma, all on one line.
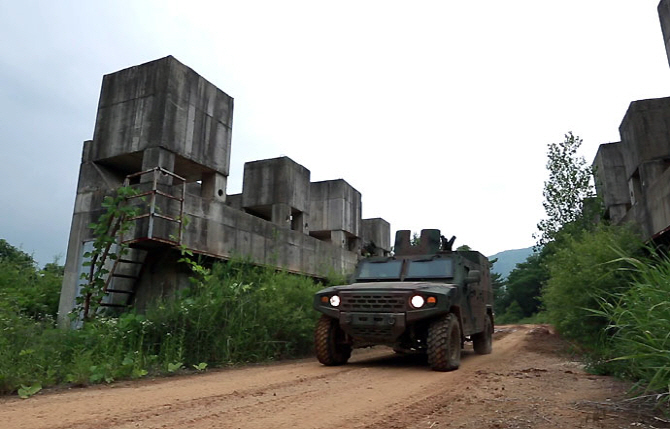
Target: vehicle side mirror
[[474, 276]]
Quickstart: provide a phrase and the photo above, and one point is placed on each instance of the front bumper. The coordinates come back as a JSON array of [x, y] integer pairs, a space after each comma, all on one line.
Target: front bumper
[[373, 327]]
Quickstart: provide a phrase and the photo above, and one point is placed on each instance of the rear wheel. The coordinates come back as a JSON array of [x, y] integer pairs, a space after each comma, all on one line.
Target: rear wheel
[[329, 342], [483, 341], [444, 344]]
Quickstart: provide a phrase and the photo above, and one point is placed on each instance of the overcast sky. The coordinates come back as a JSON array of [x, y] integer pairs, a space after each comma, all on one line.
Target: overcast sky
[[438, 112]]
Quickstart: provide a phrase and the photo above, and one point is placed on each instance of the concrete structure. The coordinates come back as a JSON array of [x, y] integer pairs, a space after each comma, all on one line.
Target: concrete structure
[[335, 209], [167, 131], [632, 176]]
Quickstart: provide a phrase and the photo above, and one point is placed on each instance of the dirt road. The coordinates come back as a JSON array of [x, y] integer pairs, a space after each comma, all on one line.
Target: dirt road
[[525, 383]]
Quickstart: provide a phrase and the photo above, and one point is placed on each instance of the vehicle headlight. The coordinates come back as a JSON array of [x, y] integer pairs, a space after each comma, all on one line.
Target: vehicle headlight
[[417, 301], [335, 301]]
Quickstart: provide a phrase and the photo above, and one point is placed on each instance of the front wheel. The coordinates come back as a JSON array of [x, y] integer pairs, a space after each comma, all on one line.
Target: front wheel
[[444, 344], [483, 341], [329, 342]]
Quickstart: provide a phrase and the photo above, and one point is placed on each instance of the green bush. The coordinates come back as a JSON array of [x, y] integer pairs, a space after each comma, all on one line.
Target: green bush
[[584, 269], [234, 313], [238, 313]]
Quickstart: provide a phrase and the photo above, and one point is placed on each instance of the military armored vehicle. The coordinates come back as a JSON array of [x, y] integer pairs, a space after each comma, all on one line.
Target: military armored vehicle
[[426, 298]]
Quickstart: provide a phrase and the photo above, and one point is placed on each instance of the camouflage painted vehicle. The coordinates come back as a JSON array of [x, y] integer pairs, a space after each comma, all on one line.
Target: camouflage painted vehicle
[[426, 298]]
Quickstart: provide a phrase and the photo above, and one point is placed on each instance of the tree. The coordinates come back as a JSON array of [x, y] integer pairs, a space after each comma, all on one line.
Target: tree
[[567, 189], [13, 255], [25, 289], [524, 284], [499, 292]]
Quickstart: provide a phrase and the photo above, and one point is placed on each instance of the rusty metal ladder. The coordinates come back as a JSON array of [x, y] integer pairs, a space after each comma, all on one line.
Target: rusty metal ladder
[[122, 279], [127, 270]]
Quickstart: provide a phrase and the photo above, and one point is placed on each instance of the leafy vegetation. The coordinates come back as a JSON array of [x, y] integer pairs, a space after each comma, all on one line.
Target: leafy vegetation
[[593, 282], [114, 222], [234, 312], [583, 273], [519, 297], [26, 289]]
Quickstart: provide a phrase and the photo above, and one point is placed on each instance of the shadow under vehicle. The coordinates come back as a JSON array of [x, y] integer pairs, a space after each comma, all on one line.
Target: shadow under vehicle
[[426, 298]]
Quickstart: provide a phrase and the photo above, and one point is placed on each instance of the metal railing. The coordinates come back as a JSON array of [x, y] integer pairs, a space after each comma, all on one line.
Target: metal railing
[[153, 212]]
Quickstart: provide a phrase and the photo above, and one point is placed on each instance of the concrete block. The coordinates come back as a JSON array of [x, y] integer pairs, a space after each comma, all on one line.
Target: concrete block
[[164, 103], [610, 175], [234, 201], [214, 186], [376, 231], [645, 133], [335, 205], [275, 181]]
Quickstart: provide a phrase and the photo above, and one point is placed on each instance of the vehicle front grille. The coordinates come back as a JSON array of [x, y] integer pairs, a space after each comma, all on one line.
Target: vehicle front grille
[[372, 332], [373, 303]]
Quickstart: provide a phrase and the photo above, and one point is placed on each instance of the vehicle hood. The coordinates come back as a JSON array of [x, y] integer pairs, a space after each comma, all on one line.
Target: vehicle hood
[[393, 286]]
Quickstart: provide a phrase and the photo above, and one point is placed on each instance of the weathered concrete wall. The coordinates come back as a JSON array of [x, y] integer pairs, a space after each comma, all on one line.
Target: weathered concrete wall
[[378, 232], [219, 230], [335, 213], [162, 114], [277, 190], [644, 134], [164, 104], [611, 184], [641, 159]]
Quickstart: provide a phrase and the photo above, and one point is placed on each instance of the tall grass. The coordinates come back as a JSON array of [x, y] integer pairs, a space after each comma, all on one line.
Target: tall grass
[[639, 320], [234, 313]]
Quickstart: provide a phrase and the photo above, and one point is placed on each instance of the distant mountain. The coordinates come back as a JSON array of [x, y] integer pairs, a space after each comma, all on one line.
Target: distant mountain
[[508, 259]]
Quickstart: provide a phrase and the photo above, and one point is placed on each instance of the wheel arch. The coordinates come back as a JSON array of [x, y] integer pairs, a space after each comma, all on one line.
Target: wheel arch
[[455, 309]]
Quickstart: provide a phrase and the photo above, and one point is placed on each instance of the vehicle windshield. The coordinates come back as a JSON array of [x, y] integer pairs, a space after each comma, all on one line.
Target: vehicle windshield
[[388, 270], [434, 268]]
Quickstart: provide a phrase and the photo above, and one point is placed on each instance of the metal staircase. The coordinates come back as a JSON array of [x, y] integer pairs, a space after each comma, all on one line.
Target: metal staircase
[[122, 279], [145, 234]]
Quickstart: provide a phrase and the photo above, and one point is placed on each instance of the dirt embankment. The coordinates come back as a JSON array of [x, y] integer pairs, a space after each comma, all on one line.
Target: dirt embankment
[[525, 383]]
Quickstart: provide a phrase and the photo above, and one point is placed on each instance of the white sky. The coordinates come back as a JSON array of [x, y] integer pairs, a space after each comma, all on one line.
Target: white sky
[[438, 112]]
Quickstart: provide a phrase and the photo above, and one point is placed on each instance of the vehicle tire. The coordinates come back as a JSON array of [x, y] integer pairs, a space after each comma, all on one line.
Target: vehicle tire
[[483, 341], [329, 342], [444, 344]]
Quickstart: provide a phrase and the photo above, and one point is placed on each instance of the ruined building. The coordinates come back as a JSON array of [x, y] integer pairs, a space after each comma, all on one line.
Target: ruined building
[[632, 176], [164, 130]]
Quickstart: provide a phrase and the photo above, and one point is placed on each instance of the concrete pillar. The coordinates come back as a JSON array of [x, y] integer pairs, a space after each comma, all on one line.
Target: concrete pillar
[[281, 215], [300, 222], [157, 157], [214, 186], [338, 238]]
